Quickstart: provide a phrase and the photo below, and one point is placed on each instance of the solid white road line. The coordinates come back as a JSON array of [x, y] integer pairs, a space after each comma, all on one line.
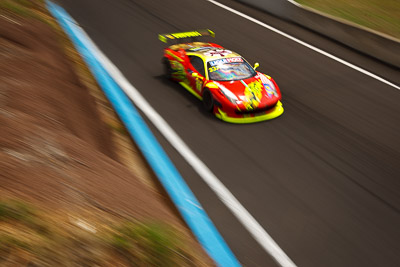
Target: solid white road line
[[348, 64], [246, 219], [294, 3]]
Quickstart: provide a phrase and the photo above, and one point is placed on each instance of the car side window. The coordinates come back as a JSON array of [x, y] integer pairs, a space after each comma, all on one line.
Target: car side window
[[198, 64]]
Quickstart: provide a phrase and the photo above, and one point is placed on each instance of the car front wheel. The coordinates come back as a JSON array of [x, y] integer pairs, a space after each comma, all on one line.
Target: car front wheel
[[208, 100]]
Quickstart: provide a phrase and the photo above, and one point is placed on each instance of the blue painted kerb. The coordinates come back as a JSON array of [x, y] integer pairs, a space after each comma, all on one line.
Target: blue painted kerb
[[181, 195]]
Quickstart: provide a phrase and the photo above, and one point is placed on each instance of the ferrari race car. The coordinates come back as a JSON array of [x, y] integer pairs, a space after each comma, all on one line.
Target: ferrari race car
[[227, 84]]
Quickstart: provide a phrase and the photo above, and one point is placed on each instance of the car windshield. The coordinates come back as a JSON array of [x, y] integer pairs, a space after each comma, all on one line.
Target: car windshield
[[228, 69]]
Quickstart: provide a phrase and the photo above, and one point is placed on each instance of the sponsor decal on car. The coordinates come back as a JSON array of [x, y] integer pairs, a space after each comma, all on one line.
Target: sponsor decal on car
[[185, 34], [225, 60], [196, 49], [218, 52]]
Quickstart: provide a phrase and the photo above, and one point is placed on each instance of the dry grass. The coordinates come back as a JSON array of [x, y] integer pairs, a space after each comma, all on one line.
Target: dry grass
[[29, 9], [379, 15], [30, 236], [36, 237]]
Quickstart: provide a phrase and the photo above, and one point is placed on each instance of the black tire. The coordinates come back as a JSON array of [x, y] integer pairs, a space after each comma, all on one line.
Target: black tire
[[167, 68], [208, 100]]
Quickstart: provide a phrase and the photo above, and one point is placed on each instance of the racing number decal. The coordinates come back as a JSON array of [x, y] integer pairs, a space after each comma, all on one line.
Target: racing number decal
[[212, 69]]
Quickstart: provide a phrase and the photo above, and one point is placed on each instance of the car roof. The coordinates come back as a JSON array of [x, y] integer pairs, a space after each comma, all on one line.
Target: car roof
[[207, 51]]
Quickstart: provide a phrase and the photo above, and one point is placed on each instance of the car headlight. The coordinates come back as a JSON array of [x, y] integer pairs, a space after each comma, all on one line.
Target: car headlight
[[229, 95], [270, 88]]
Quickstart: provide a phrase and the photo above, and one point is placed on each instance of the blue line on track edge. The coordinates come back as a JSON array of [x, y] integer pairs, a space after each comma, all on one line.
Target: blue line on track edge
[[187, 204]]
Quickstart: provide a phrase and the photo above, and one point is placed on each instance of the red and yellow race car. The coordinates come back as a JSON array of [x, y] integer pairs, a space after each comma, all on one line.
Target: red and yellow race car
[[227, 84]]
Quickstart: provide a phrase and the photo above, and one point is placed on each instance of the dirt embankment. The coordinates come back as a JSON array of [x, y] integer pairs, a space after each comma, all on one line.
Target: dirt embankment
[[56, 151]]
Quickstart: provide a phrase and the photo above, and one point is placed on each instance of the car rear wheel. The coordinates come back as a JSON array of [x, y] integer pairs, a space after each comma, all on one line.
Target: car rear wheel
[[208, 100], [167, 68]]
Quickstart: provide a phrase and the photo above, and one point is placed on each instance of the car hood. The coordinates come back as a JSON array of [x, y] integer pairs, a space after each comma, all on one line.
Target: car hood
[[252, 93]]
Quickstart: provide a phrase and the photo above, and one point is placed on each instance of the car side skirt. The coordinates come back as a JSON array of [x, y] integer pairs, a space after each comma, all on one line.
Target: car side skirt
[[193, 92]]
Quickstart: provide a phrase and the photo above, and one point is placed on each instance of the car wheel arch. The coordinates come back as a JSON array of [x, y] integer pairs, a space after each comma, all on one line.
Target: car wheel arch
[[208, 99]]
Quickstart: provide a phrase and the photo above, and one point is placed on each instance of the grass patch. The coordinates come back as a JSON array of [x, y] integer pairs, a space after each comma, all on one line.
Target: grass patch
[[33, 237], [25, 8], [150, 244], [379, 15], [15, 211], [66, 243]]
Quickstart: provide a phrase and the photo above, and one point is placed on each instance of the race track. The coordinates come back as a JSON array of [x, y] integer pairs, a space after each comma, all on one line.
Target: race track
[[323, 180]]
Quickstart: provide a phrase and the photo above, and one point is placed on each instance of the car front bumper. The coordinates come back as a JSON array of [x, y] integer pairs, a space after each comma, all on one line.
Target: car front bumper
[[251, 117]]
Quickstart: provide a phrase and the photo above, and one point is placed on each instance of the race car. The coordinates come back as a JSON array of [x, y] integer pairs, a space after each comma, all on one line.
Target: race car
[[227, 84]]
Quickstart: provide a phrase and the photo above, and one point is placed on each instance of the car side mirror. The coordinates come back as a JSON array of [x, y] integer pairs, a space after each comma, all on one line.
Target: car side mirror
[[256, 65]]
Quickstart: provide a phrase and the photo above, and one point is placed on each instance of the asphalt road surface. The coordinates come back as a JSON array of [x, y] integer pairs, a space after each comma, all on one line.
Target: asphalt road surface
[[323, 180]]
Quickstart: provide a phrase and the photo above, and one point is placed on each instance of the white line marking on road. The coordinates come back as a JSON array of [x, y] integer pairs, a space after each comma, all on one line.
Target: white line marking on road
[[348, 64], [246, 219], [294, 3]]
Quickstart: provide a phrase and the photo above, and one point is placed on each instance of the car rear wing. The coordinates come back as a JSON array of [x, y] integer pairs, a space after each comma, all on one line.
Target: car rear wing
[[184, 35]]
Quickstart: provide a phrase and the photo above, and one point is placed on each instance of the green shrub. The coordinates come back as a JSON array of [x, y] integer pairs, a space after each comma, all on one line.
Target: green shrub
[[15, 210], [150, 244]]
